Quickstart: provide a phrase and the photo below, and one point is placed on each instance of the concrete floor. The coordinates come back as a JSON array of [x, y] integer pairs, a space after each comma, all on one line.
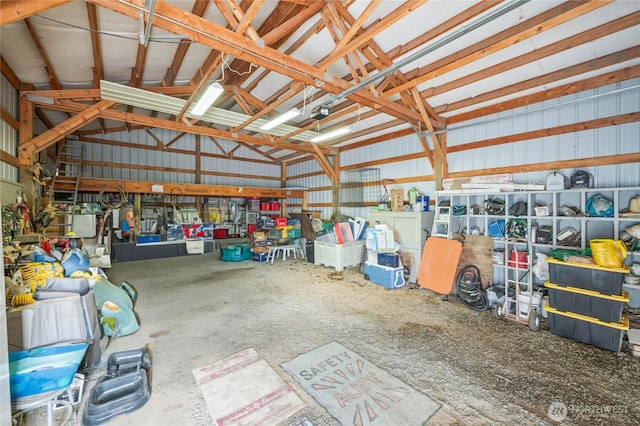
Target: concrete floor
[[196, 310]]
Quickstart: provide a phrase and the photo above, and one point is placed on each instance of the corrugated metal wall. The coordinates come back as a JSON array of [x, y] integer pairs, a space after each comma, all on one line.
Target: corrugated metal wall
[[147, 164], [607, 101], [8, 135]]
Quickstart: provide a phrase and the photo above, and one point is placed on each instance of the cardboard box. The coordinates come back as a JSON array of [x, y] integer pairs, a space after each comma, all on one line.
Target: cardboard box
[[397, 200]]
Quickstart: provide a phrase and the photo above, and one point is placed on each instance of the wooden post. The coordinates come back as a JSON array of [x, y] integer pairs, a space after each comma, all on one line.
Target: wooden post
[[335, 184]]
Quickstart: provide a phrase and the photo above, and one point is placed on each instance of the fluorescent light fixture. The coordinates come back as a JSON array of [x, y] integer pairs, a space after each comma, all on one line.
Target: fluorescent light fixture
[[207, 99], [332, 134], [40, 99], [294, 112]]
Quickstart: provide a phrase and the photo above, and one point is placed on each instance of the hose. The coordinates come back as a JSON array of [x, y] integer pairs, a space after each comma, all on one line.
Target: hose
[[108, 204], [469, 289]]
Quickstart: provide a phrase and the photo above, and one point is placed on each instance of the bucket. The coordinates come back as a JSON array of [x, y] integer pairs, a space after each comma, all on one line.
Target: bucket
[[525, 300], [424, 201]]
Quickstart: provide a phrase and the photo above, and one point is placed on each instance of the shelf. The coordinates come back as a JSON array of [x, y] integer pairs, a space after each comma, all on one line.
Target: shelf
[[587, 227]]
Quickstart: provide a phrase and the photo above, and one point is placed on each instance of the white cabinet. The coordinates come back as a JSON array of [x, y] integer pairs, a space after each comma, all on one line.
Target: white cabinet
[[411, 230], [545, 215]]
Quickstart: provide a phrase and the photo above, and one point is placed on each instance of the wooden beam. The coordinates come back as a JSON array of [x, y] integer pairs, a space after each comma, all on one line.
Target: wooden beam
[[138, 69], [294, 23], [607, 160], [48, 138], [522, 31], [53, 80], [179, 21], [14, 11], [98, 69], [393, 17], [358, 23], [324, 162], [441, 155], [558, 47], [572, 71], [168, 150], [605, 79], [551, 131], [9, 119], [8, 73], [9, 158], [198, 9], [180, 127], [142, 187]]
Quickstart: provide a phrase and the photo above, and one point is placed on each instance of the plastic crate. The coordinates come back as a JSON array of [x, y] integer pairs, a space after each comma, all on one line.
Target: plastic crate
[[259, 257], [496, 229], [391, 278], [634, 295], [581, 328], [338, 256], [584, 302], [236, 253], [587, 276], [145, 239]]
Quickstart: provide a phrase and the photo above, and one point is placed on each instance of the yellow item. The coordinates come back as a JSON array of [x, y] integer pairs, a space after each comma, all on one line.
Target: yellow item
[[22, 299], [608, 253], [35, 274]]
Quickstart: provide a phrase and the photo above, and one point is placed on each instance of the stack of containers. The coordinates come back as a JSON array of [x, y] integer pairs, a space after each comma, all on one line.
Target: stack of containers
[[586, 303]]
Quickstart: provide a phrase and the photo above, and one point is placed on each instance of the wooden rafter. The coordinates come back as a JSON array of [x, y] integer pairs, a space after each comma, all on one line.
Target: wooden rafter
[[234, 44], [8, 73], [587, 36], [574, 70], [51, 136], [611, 77], [132, 118], [198, 9], [53, 80], [393, 17], [13, 11], [524, 30]]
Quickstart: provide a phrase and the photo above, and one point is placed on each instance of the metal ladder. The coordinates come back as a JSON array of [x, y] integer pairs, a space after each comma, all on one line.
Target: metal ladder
[[68, 171]]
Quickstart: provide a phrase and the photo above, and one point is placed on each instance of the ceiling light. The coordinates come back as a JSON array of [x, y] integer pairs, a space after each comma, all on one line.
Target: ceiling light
[[294, 112], [332, 134], [207, 99]]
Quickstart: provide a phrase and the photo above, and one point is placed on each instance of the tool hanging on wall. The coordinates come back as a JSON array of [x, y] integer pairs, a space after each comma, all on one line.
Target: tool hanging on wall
[[385, 197]]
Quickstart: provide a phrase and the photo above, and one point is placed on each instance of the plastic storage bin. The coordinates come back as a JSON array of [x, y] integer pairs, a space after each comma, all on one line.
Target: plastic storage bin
[[236, 253], [581, 328], [634, 295], [587, 276], [590, 303], [338, 256], [386, 276]]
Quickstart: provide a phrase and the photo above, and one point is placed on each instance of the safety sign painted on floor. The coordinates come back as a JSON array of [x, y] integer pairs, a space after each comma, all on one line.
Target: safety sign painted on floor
[[356, 391]]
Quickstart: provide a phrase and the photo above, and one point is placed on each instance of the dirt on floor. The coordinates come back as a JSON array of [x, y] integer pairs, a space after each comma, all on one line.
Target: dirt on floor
[[196, 310]]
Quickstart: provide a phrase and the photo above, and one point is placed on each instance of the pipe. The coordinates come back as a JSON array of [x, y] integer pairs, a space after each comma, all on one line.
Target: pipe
[[465, 29]]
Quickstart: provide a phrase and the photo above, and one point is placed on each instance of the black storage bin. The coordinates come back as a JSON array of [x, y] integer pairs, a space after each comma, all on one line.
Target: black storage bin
[[587, 276], [605, 335], [310, 246], [584, 302]]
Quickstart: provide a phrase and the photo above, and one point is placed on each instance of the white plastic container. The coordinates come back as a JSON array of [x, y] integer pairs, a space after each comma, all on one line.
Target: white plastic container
[[634, 295], [338, 256], [525, 300]]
